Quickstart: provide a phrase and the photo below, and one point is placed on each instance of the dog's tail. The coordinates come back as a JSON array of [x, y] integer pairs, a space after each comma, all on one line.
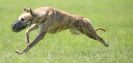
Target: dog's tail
[[100, 29]]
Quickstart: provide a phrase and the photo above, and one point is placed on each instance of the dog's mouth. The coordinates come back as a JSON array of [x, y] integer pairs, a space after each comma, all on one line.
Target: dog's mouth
[[17, 26]]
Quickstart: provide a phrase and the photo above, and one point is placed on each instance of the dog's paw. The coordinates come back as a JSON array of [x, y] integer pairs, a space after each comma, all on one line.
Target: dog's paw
[[106, 44], [19, 52]]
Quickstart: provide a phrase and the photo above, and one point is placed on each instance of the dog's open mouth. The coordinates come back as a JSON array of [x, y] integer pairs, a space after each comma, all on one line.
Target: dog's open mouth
[[17, 26]]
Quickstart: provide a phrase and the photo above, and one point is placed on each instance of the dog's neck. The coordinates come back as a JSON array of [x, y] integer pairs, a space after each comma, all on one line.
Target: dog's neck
[[31, 20]]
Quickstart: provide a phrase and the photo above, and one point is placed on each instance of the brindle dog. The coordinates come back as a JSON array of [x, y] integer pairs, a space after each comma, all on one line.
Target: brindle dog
[[51, 20]]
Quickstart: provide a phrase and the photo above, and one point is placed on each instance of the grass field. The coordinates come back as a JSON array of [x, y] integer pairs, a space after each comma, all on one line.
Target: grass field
[[116, 16]]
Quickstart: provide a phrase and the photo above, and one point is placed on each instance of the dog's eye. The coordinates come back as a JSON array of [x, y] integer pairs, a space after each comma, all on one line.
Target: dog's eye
[[22, 19]]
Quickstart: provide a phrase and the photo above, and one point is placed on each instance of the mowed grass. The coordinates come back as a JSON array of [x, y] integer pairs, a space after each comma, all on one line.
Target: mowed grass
[[116, 16]]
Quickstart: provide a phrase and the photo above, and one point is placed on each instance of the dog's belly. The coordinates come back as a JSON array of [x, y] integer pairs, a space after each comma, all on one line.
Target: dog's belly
[[56, 28]]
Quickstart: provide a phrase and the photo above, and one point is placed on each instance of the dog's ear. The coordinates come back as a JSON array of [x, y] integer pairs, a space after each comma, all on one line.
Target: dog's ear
[[29, 10]]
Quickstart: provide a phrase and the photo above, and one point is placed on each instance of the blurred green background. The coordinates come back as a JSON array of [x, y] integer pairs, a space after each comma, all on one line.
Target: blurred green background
[[116, 16]]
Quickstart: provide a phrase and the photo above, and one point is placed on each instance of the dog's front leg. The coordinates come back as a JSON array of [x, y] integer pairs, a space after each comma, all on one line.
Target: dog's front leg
[[37, 39], [43, 30], [31, 28]]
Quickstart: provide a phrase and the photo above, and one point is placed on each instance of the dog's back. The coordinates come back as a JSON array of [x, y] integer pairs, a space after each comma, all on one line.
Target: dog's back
[[56, 19]]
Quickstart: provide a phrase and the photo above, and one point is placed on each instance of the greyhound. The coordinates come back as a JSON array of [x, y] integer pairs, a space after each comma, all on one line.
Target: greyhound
[[52, 20]]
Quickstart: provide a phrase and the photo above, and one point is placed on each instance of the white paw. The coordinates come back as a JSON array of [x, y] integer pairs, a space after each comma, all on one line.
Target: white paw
[[19, 52]]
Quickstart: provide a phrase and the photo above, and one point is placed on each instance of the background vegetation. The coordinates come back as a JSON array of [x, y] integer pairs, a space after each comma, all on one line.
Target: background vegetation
[[116, 16]]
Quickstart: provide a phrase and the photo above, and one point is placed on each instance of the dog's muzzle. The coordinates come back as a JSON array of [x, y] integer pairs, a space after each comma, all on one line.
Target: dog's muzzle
[[17, 26]]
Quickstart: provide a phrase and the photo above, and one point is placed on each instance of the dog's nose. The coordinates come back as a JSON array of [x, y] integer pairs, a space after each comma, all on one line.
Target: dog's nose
[[14, 26]]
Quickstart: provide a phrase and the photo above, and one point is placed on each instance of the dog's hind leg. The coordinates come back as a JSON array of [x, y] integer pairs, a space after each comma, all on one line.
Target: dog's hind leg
[[102, 41], [92, 34], [86, 28]]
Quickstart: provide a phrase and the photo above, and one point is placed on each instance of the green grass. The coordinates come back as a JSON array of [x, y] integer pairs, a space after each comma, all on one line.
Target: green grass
[[116, 16]]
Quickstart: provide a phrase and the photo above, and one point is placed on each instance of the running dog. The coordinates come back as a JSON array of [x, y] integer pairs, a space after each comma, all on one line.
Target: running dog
[[51, 20]]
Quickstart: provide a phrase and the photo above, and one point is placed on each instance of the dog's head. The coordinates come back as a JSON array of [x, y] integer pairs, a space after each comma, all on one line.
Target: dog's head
[[24, 20]]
